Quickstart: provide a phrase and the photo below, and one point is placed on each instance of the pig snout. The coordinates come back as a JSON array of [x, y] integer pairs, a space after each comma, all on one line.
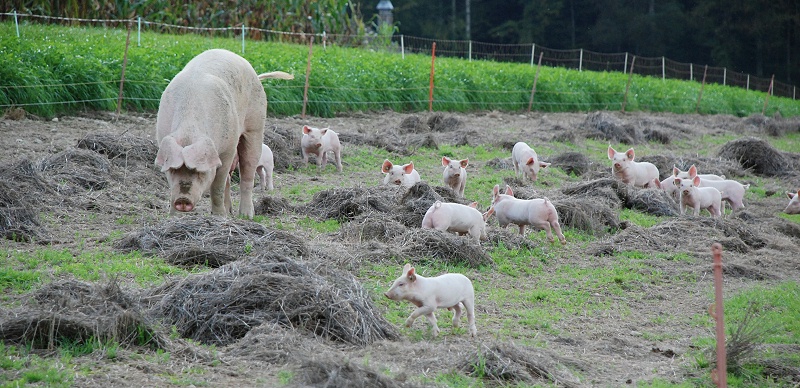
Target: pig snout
[[183, 205], [318, 145], [398, 182]]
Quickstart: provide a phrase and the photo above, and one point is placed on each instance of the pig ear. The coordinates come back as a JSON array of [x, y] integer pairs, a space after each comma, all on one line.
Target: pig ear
[[408, 168], [170, 154], [306, 129], [496, 190], [387, 166], [488, 213], [543, 164], [323, 131], [675, 170], [629, 153], [411, 274], [464, 163], [529, 161], [692, 171], [791, 195], [406, 267], [201, 155], [509, 191], [474, 205], [657, 183], [445, 161], [611, 152], [695, 180]]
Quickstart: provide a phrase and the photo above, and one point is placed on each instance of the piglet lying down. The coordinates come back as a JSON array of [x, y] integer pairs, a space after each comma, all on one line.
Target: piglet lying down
[[450, 291]]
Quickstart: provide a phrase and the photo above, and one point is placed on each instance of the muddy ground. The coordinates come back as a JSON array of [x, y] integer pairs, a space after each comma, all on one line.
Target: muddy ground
[[122, 196]]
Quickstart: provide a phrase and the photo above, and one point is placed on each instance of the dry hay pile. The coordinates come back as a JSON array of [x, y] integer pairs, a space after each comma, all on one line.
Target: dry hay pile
[[211, 241], [336, 371], [372, 226], [22, 191], [285, 146], [122, 150], [500, 164], [705, 165], [757, 155], [604, 126], [652, 201], [78, 312], [508, 364], [413, 124], [223, 305], [733, 234], [77, 170], [592, 206], [389, 140], [572, 163], [345, 204], [272, 206]]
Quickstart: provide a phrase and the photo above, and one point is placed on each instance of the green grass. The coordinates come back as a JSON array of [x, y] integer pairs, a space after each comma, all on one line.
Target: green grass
[[638, 218], [22, 271], [21, 368], [342, 79]]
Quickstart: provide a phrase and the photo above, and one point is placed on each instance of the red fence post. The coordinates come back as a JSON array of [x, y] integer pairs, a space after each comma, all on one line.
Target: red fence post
[[430, 88], [719, 375], [535, 80], [766, 99], [628, 86], [700, 96], [124, 64], [308, 74]]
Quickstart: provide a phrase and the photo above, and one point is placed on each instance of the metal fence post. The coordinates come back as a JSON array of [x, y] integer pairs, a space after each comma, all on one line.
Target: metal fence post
[[470, 50], [580, 61], [139, 32], [402, 47], [663, 68], [691, 71], [625, 68], [719, 375], [533, 50], [16, 23], [724, 75]]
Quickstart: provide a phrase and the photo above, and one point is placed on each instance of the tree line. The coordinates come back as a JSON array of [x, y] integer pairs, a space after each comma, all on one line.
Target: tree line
[[752, 36]]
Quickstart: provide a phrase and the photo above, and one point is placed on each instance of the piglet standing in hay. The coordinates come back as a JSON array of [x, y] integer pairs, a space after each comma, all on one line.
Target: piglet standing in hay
[[455, 174], [455, 217], [405, 175], [697, 198], [450, 291], [639, 174], [319, 142], [214, 109], [794, 203], [539, 213]]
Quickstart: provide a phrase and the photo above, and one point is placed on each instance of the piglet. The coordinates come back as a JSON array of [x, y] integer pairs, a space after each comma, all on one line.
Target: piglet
[[676, 172], [455, 217], [404, 175], [732, 191], [540, 213], [265, 166], [526, 162], [794, 203], [639, 174], [448, 291], [319, 142], [695, 197], [455, 174]]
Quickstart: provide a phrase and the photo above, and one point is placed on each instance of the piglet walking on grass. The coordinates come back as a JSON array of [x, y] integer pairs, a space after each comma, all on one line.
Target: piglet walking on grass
[[450, 291], [639, 174], [319, 142], [697, 198], [526, 162]]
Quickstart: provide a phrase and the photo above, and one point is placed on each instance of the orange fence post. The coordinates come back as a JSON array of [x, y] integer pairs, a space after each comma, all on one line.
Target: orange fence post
[[535, 80], [700, 96], [719, 375], [766, 99], [628, 86], [308, 74], [430, 89], [124, 64]]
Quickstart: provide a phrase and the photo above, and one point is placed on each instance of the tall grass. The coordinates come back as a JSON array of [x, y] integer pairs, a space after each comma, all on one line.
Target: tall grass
[[51, 70]]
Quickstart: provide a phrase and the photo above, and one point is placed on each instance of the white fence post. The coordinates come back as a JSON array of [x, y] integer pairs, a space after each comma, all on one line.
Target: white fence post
[[580, 62], [139, 31], [16, 23], [533, 50], [691, 75], [243, 32], [470, 50], [325, 40], [402, 47], [724, 74], [625, 68], [663, 68]]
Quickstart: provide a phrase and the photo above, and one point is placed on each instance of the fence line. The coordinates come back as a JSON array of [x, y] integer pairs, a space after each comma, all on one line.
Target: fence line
[[579, 59]]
